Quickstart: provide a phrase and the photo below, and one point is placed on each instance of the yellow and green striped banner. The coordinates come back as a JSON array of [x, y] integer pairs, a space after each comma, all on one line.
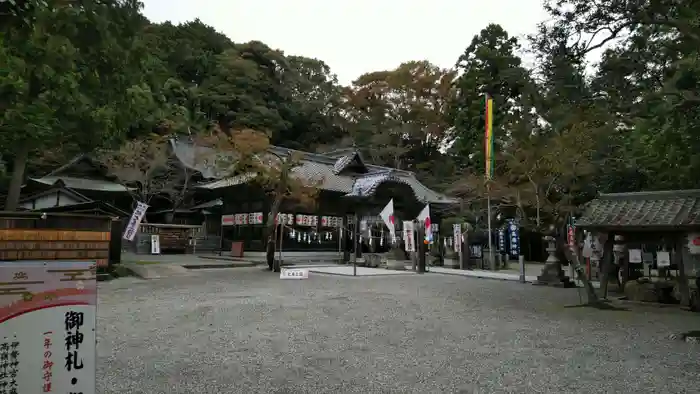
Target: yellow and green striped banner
[[488, 139]]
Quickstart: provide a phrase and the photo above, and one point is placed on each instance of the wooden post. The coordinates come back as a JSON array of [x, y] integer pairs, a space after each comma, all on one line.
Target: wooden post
[[421, 247], [606, 264], [683, 287], [460, 244], [466, 251], [356, 243]]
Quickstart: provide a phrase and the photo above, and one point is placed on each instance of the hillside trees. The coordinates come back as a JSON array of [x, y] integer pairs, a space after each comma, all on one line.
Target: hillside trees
[[397, 116], [644, 83], [67, 79]]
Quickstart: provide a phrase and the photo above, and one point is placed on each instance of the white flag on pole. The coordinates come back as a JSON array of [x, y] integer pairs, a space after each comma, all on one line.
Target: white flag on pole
[[135, 221], [424, 216], [408, 236], [387, 215]]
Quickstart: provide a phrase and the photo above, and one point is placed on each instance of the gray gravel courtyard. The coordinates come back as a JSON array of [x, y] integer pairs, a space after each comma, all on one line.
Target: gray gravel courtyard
[[246, 331]]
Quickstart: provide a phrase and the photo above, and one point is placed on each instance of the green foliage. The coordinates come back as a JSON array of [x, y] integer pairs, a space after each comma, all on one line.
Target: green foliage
[[644, 89], [489, 66], [397, 117], [77, 78]]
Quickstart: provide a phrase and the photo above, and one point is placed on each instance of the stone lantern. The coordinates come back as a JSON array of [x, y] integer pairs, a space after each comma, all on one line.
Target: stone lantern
[[552, 273]]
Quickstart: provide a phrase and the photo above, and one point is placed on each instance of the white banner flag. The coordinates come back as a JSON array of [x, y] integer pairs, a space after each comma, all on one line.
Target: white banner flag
[[457, 235], [387, 216], [424, 217], [135, 221], [408, 237]]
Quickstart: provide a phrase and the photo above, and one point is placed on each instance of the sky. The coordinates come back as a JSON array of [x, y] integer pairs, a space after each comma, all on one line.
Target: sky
[[356, 36]]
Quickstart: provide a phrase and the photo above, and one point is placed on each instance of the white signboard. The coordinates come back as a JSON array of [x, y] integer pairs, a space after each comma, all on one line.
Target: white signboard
[[294, 273], [694, 243], [635, 255], [409, 239], [663, 259], [155, 244], [47, 321], [228, 220], [136, 218], [457, 236], [587, 251]]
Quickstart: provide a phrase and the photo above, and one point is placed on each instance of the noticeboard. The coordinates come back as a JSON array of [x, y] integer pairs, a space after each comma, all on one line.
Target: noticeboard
[[47, 326]]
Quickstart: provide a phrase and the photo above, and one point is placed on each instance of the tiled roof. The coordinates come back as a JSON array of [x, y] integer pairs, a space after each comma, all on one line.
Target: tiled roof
[[644, 209], [209, 204], [197, 158], [324, 167], [342, 163], [82, 183], [367, 185]]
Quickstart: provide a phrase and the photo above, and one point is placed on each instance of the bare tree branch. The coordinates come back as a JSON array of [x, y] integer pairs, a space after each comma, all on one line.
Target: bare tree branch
[[146, 167]]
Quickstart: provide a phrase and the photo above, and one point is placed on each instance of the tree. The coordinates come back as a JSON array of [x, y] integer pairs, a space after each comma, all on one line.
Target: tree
[[397, 116], [65, 79], [488, 66], [146, 167], [644, 83], [188, 51], [243, 91], [314, 104], [641, 105], [246, 153]]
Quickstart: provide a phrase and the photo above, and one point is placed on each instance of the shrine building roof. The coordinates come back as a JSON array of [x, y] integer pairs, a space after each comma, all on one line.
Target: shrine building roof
[[669, 210]]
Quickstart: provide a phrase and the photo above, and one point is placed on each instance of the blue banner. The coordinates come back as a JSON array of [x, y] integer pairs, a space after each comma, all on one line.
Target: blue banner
[[514, 237]]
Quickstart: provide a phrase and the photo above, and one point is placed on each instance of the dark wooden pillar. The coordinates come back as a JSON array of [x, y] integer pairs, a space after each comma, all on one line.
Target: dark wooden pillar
[[420, 247], [607, 263], [683, 288]]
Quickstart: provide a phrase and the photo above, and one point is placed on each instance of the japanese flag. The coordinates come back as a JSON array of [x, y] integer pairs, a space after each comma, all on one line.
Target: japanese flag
[[387, 215], [424, 216]]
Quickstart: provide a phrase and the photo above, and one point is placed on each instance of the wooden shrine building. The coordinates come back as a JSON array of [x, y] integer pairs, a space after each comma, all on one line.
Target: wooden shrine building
[[348, 186], [646, 234], [223, 209]]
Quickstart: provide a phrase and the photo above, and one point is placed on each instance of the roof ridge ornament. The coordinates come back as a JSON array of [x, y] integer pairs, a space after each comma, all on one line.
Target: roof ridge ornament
[[346, 161]]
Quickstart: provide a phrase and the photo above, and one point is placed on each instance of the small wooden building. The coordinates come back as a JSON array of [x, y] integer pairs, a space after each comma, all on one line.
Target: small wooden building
[[647, 234]]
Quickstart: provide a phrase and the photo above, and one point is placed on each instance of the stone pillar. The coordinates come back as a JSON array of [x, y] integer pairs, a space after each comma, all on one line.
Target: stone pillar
[[552, 274]]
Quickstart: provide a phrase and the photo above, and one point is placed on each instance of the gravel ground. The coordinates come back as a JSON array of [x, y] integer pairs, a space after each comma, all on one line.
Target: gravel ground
[[245, 331]]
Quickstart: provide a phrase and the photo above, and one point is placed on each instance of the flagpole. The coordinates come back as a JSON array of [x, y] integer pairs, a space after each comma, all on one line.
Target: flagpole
[[488, 159], [488, 209]]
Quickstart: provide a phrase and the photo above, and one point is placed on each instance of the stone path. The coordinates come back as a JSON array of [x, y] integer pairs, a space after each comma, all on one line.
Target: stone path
[[247, 331]]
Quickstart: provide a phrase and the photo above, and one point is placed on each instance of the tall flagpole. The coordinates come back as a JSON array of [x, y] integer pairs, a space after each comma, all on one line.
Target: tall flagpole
[[488, 149], [488, 209]]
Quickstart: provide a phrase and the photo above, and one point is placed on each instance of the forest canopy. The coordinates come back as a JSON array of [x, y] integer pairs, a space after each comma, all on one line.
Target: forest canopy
[[94, 76]]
